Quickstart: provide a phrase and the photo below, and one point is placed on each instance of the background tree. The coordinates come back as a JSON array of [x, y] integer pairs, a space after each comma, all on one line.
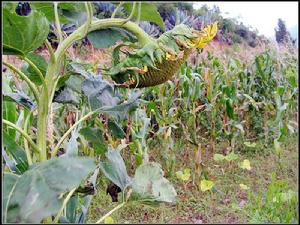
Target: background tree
[[281, 33]]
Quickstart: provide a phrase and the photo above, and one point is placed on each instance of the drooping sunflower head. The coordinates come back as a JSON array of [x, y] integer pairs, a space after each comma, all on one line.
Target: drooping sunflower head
[[157, 61]]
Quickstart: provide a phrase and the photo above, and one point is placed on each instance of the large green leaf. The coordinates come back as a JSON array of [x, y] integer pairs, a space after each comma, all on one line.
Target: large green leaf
[[17, 153], [105, 38], [148, 13], [149, 183], [36, 193], [114, 168], [23, 34], [41, 64], [95, 137]]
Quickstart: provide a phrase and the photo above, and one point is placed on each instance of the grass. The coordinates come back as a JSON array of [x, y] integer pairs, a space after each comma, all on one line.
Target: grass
[[226, 203]]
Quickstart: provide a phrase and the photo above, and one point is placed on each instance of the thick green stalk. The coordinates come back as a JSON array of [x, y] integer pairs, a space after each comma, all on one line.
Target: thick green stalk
[[43, 109]]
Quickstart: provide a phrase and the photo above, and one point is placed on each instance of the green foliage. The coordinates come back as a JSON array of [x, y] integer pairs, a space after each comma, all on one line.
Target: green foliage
[[34, 195], [114, 168], [23, 34], [149, 183], [17, 154], [212, 100], [278, 205]]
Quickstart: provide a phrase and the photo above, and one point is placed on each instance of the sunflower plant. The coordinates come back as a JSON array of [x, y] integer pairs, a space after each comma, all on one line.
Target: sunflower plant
[[45, 175]]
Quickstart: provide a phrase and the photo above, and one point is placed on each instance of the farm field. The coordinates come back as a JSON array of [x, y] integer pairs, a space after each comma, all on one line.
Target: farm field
[[138, 112], [227, 204]]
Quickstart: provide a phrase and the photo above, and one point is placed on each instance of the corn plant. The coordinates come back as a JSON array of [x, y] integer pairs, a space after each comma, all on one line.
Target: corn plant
[[60, 161]]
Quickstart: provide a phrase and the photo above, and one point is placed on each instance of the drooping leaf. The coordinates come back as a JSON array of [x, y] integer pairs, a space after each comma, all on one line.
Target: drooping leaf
[[206, 185], [148, 13], [36, 193], [17, 153], [98, 92], [219, 157], [95, 137], [105, 38], [246, 164], [115, 129], [41, 64], [149, 183], [21, 99], [23, 34], [114, 168]]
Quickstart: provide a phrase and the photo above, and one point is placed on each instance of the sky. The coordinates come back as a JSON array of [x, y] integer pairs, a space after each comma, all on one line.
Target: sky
[[260, 15]]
